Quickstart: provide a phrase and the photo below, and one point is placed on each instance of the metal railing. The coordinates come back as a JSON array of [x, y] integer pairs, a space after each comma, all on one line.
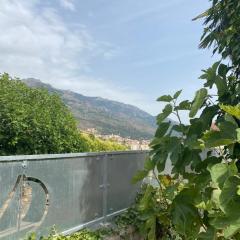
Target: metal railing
[[70, 191]]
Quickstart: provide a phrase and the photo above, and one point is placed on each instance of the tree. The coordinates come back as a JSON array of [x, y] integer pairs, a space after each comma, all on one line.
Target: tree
[[33, 121], [201, 198], [222, 30]]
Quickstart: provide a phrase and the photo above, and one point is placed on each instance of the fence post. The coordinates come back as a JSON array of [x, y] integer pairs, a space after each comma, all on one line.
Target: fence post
[[19, 216], [105, 187]]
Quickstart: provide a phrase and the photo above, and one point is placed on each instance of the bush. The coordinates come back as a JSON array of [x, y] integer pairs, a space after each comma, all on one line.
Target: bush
[[33, 121]]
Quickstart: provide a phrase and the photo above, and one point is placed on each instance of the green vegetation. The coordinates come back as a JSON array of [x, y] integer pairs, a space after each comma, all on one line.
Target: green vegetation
[[96, 145], [201, 198], [33, 121], [85, 234]]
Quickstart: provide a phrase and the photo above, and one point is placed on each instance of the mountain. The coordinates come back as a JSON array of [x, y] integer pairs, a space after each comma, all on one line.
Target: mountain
[[107, 116]]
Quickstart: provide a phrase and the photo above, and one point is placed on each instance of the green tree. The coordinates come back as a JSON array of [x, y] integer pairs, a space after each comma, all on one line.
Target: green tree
[[33, 121], [98, 145], [222, 30], [201, 198]]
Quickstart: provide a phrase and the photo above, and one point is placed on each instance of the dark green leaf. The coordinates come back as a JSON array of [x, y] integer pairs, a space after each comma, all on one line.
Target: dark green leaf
[[162, 129], [185, 216], [139, 176], [225, 136], [176, 95], [199, 99], [165, 113], [165, 98], [184, 105], [210, 234], [222, 70]]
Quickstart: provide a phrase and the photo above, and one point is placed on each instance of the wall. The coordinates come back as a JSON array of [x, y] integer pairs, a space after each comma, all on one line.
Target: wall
[[70, 191]]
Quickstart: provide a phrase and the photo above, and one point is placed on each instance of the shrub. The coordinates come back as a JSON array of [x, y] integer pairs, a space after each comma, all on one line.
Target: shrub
[[201, 198]]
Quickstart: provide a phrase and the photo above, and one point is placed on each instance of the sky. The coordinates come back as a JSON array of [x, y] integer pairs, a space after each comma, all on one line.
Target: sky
[[130, 51]]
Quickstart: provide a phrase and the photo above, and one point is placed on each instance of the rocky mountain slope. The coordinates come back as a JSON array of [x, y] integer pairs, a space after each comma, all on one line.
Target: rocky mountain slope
[[107, 116]]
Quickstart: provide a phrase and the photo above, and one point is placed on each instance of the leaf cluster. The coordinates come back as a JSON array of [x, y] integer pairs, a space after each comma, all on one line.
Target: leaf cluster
[[202, 156]]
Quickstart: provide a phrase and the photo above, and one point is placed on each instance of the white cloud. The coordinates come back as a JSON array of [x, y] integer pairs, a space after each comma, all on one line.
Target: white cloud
[[36, 42], [68, 4], [40, 44]]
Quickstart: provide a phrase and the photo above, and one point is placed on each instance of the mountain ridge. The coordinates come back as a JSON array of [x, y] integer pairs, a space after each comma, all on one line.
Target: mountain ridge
[[107, 116]]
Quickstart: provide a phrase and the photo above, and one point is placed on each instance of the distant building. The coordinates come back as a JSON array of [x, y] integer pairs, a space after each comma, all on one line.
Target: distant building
[[132, 143]]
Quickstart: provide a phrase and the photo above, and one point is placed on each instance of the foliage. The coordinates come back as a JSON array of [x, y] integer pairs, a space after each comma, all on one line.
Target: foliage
[[84, 234], [96, 144], [33, 121], [201, 198], [222, 30]]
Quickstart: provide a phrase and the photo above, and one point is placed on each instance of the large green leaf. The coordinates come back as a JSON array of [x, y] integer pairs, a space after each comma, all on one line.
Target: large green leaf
[[140, 175], [184, 105], [207, 116], [232, 229], [202, 166], [188, 156], [226, 135], [221, 85], [165, 113], [162, 129], [220, 172], [210, 75], [198, 101], [176, 94], [229, 199], [165, 98], [222, 70], [230, 205], [209, 234], [185, 216], [161, 160], [233, 110], [151, 225], [174, 148], [228, 225], [149, 164]]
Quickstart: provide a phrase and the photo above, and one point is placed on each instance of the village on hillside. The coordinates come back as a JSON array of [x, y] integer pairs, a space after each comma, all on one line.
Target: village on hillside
[[133, 144]]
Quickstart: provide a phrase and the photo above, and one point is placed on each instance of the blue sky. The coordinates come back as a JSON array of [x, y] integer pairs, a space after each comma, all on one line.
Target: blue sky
[[130, 51]]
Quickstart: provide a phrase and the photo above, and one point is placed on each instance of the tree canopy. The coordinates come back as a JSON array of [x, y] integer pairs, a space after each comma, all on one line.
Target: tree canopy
[[33, 121]]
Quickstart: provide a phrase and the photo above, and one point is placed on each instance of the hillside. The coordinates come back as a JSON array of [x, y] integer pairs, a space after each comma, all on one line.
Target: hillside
[[107, 116]]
